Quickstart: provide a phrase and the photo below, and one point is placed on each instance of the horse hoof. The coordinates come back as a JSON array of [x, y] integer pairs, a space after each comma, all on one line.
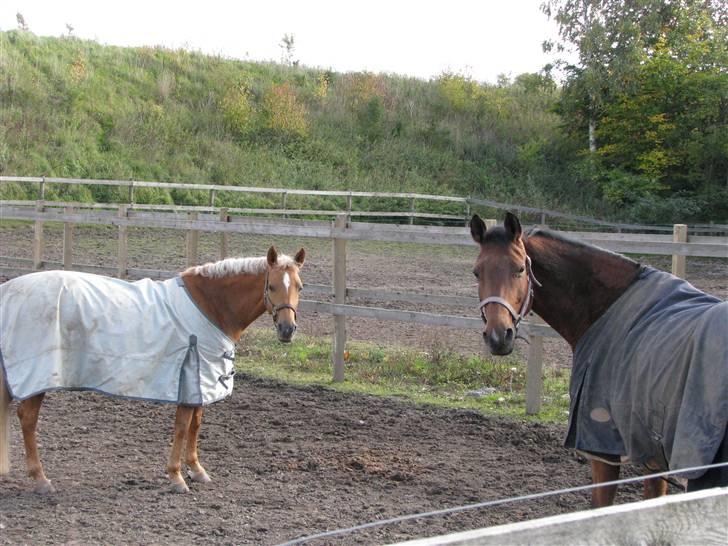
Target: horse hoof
[[180, 488], [44, 487], [200, 477]]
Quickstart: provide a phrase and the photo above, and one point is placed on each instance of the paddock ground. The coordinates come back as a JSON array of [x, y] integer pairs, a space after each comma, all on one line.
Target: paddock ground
[[285, 461]]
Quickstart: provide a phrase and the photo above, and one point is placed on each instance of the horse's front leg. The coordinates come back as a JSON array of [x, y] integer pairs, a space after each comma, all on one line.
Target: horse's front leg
[[28, 411], [182, 422], [197, 473], [603, 472]]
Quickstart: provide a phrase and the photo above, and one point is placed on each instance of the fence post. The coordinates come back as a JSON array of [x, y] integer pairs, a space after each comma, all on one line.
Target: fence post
[[224, 236], [490, 223], [193, 238], [412, 211], [38, 238], [212, 198], [131, 192], [679, 265], [284, 202], [534, 371], [123, 262], [339, 297], [68, 241]]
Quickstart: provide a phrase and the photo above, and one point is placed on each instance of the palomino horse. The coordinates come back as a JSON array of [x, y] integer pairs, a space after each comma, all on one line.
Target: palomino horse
[[170, 341], [649, 379]]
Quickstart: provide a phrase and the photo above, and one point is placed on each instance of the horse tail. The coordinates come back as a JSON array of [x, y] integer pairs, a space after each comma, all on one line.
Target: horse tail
[[4, 425]]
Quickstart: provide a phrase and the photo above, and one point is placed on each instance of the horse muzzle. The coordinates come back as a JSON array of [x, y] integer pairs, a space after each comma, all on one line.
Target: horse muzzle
[[286, 331], [500, 342]]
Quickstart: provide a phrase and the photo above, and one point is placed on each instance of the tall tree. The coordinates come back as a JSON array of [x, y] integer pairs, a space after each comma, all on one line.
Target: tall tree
[[650, 86], [608, 38]]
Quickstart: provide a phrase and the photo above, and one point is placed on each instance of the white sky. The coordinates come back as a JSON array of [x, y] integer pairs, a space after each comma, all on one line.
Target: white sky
[[480, 38]]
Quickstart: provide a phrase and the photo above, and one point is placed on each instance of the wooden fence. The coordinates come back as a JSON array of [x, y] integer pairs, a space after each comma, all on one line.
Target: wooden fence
[[467, 204], [689, 518], [340, 232]]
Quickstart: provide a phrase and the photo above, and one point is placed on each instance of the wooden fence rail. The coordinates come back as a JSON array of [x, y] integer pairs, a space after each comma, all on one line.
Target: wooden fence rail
[[467, 203], [193, 221]]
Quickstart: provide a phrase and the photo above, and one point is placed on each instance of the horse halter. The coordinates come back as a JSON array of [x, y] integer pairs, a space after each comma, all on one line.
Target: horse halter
[[525, 306], [275, 308]]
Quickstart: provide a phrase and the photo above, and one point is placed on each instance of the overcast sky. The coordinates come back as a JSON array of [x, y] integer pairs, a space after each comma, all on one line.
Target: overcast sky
[[481, 39]]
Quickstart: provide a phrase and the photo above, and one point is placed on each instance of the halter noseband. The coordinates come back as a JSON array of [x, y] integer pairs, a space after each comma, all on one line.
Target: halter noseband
[[525, 306], [275, 308]]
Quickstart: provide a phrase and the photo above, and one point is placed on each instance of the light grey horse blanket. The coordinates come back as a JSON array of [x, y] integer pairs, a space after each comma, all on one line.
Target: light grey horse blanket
[[650, 377], [144, 340]]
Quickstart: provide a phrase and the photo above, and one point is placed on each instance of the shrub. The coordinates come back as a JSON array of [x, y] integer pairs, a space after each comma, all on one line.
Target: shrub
[[284, 114], [238, 110]]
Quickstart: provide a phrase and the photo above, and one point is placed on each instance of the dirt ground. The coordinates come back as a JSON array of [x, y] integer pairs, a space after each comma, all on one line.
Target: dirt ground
[[292, 461]]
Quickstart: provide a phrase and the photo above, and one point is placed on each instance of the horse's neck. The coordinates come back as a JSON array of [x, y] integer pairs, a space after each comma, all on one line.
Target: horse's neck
[[578, 283], [232, 302]]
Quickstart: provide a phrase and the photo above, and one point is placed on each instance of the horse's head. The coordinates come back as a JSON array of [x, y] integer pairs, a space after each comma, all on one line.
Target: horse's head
[[505, 281], [282, 288]]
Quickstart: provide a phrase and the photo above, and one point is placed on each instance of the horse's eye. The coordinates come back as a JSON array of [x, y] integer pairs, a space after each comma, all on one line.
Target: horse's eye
[[300, 288], [521, 271], [271, 288], [475, 272]]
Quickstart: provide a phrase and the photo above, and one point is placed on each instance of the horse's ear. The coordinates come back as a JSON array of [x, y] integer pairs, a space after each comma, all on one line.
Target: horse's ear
[[300, 257], [513, 226], [477, 229], [272, 256]]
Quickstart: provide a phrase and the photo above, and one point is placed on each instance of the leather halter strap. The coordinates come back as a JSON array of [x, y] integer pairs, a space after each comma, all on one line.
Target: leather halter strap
[[525, 306], [275, 308]]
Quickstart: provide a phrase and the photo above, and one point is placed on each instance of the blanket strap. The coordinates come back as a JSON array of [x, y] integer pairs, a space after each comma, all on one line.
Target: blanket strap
[[224, 378]]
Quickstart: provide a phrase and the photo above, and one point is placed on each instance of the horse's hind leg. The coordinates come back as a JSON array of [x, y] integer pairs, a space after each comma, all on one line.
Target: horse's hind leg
[[28, 411], [182, 422], [655, 487], [197, 473], [603, 472]]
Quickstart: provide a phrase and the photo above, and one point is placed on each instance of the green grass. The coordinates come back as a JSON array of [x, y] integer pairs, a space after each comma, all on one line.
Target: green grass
[[438, 377]]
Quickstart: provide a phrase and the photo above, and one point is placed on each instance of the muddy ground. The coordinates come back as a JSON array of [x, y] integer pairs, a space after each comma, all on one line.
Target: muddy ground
[[291, 461]]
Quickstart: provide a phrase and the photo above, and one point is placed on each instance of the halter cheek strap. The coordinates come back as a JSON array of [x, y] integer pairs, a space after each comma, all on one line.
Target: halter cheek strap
[[525, 306], [275, 308]]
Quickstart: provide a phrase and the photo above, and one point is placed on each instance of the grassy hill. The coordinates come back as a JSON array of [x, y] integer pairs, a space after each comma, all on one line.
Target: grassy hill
[[74, 108]]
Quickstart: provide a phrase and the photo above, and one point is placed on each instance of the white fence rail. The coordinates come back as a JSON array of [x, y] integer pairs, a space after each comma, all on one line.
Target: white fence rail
[[690, 518], [342, 230]]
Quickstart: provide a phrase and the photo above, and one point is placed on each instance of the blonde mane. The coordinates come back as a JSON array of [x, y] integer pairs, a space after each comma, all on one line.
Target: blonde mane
[[239, 266]]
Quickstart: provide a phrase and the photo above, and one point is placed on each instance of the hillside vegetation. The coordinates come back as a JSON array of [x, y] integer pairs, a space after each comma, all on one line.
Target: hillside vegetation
[[74, 108]]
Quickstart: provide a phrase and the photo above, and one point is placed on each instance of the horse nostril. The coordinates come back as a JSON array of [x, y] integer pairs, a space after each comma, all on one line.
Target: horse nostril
[[509, 335], [286, 330]]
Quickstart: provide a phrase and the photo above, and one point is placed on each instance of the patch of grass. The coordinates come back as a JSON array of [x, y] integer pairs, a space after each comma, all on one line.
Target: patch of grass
[[436, 376]]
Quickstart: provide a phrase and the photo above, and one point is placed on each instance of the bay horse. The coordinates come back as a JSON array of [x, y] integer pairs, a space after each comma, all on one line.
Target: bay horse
[[649, 381], [171, 342]]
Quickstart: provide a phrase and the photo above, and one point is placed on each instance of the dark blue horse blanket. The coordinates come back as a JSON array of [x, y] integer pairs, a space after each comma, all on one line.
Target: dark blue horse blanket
[[649, 381]]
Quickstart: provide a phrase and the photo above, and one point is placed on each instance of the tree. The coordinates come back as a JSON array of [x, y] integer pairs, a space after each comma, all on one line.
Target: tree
[[650, 87], [288, 46], [668, 129], [609, 38], [22, 25]]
